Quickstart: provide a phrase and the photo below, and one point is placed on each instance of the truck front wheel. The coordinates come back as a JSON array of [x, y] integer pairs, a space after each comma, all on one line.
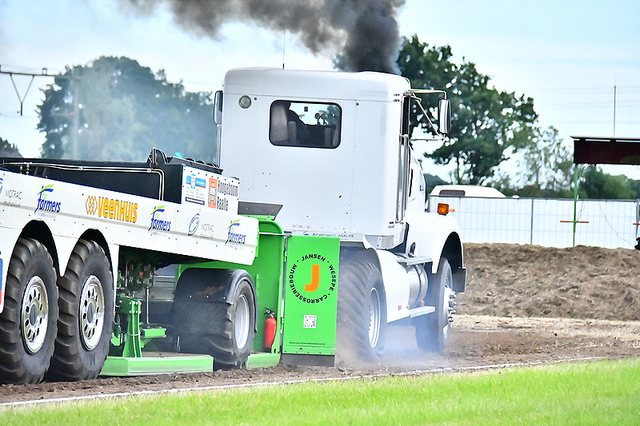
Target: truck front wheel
[[432, 330], [362, 315], [86, 315], [28, 321]]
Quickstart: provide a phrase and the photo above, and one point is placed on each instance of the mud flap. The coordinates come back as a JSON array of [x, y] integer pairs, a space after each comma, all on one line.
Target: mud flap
[[459, 280]]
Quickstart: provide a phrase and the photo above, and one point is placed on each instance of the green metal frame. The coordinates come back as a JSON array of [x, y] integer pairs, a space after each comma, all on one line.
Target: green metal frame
[[310, 310], [266, 271], [127, 358]]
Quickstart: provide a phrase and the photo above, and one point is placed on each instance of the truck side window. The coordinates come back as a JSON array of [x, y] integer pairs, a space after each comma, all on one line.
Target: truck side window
[[304, 124]]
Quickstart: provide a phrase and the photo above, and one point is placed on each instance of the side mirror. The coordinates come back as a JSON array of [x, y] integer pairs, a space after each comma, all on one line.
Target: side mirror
[[217, 108], [444, 116]]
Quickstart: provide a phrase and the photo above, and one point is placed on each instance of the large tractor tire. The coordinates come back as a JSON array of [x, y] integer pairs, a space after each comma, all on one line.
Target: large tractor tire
[[28, 321], [215, 314], [362, 313], [432, 330], [86, 315]]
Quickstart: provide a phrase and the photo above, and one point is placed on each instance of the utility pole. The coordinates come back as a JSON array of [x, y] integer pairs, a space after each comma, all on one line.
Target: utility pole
[[75, 114], [22, 98], [614, 110]]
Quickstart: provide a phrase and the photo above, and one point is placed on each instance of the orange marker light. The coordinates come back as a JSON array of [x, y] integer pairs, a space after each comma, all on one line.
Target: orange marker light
[[443, 209]]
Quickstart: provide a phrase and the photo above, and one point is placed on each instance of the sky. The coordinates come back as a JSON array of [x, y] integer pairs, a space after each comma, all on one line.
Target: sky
[[570, 56]]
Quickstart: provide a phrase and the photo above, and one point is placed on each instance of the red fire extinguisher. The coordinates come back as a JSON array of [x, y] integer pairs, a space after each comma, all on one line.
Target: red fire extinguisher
[[269, 329]]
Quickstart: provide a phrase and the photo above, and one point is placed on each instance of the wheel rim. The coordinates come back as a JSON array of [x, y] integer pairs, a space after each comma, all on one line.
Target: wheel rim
[[242, 321], [447, 311], [34, 314], [91, 312], [374, 317]]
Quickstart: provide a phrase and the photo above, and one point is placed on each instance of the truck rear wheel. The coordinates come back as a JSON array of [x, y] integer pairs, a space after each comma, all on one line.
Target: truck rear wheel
[[432, 330], [215, 314], [362, 314], [86, 315], [28, 321]]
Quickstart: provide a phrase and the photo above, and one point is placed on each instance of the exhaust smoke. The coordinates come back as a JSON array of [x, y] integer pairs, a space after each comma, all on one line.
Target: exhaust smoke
[[366, 31]]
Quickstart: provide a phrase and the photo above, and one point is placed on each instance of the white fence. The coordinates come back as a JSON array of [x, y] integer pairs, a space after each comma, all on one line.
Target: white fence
[[545, 222]]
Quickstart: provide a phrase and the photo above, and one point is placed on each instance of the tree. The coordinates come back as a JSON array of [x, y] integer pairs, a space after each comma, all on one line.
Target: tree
[[115, 109], [8, 150], [548, 166], [485, 124], [597, 184]]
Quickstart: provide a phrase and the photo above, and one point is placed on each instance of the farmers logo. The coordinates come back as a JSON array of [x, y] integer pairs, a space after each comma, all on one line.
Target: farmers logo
[[45, 205], [157, 224], [194, 224], [312, 278], [233, 235]]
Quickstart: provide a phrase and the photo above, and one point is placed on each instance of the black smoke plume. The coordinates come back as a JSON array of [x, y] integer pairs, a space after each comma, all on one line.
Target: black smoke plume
[[364, 31]]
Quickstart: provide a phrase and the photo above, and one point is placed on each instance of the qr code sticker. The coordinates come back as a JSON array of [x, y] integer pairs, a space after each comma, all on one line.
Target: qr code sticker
[[309, 321]]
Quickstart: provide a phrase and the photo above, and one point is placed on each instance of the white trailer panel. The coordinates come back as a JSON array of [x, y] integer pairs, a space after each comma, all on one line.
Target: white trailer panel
[[69, 210]]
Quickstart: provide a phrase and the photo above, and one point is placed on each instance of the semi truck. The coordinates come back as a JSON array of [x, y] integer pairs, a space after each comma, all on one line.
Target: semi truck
[[313, 240]]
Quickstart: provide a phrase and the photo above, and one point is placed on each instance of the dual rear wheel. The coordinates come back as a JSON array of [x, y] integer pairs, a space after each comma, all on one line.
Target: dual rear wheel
[[60, 328], [28, 323]]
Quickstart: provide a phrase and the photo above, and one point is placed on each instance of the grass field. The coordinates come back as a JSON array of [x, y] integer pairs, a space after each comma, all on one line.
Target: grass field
[[593, 393]]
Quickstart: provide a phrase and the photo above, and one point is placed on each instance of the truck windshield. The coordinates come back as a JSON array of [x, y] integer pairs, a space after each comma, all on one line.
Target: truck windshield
[[304, 124]]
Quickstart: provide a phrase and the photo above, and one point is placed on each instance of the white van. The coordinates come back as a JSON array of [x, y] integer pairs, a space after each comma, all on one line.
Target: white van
[[466, 191]]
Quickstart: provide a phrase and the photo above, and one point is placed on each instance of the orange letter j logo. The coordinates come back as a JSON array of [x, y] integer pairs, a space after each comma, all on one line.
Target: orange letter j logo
[[315, 279]]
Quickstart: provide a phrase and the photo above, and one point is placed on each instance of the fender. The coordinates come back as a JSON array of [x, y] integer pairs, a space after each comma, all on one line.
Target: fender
[[394, 278], [396, 285], [428, 233], [432, 236]]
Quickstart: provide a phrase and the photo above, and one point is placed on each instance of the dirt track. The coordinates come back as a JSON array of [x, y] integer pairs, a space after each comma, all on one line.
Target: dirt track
[[524, 304]]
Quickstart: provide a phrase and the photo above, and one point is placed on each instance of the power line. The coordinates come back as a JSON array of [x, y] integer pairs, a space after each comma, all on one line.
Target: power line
[[21, 99]]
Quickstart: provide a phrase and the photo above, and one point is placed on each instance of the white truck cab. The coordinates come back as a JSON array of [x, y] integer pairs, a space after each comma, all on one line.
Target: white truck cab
[[333, 149]]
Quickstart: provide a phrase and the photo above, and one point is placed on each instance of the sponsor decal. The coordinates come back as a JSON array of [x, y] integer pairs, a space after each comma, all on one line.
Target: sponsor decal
[[206, 230], [157, 224], [109, 208], [195, 189], [312, 278], [219, 191], [233, 236], [196, 182], [228, 188], [194, 224], [213, 192], [45, 205], [12, 197]]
